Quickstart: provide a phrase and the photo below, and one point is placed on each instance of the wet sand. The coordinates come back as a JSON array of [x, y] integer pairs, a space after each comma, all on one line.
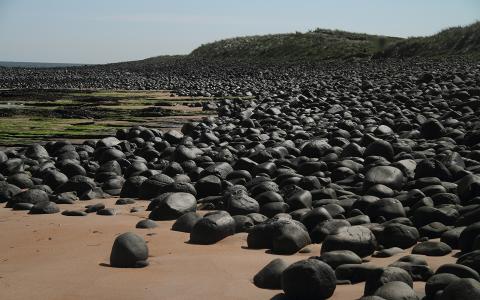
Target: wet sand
[[60, 257]]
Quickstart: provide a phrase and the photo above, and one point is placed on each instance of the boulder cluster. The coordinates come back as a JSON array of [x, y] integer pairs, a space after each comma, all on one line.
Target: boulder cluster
[[364, 166]]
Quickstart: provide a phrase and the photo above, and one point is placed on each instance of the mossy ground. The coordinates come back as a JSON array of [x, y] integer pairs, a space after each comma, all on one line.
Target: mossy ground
[[41, 115]]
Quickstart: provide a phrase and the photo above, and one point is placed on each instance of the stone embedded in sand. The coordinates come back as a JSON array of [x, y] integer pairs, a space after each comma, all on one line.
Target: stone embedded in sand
[[339, 257], [270, 276], [33, 196], [431, 248], [212, 228], [463, 288], [243, 223], [129, 251], [65, 198], [396, 290], [398, 235], [380, 276], [131, 187], [7, 191], [289, 239], [94, 207], [107, 212], [438, 283], [471, 259], [358, 239], [458, 270], [125, 201], [74, 213], [186, 222], [174, 206], [309, 279], [155, 186], [44, 208], [237, 202], [146, 224]]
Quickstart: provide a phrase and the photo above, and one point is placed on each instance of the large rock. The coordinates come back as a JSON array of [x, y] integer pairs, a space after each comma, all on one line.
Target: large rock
[[309, 279], [212, 228], [7, 191], [186, 222], [32, 196], [129, 251], [396, 290], [270, 276], [381, 276], [358, 239], [237, 202], [464, 288], [386, 175], [174, 205], [432, 129], [431, 248], [398, 235]]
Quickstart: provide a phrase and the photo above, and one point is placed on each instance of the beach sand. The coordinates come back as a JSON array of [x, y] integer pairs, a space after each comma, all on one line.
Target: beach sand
[[59, 257]]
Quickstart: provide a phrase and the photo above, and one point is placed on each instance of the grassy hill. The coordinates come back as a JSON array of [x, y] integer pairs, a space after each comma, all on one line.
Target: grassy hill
[[318, 44], [452, 41], [322, 44]]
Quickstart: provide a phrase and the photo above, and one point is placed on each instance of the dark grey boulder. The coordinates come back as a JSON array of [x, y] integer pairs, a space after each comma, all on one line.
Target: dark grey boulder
[[174, 205], [325, 228], [289, 239], [94, 207], [471, 259], [388, 208], [437, 283], [146, 224], [388, 252], [7, 191], [458, 270], [355, 273], [396, 290], [309, 279], [398, 235], [107, 212], [131, 187], [212, 228], [154, 186], [65, 198], [237, 202], [381, 276], [358, 239], [74, 213], [243, 223], [129, 251], [386, 175], [270, 276], [22, 206], [33, 196], [186, 222], [339, 257], [432, 129], [431, 248], [463, 288], [125, 201], [44, 208]]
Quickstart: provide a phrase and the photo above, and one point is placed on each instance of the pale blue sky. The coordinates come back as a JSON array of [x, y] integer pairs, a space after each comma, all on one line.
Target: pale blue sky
[[101, 31]]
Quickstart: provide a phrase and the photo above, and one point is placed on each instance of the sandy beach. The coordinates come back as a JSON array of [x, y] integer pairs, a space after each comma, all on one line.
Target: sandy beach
[[60, 257]]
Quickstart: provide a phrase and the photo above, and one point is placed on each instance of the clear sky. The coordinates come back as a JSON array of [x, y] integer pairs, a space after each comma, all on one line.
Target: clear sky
[[101, 31]]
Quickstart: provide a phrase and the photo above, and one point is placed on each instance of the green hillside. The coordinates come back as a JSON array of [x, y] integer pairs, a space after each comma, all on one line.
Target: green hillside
[[452, 41], [319, 44]]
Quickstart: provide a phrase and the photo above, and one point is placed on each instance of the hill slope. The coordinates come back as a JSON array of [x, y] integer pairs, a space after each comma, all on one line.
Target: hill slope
[[319, 44], [452, 41]]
